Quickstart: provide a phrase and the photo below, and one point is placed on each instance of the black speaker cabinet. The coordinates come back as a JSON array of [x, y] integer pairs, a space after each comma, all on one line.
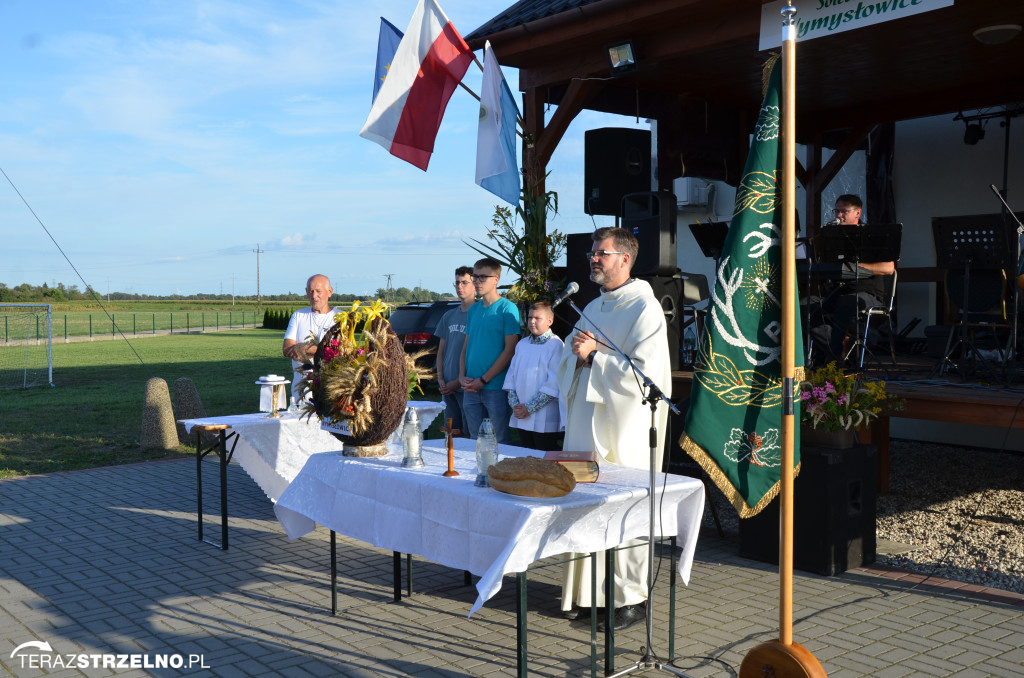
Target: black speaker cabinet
[[667, 290], [651, 217], [577, 270], [617, 161], [577, 267], [833, 513]]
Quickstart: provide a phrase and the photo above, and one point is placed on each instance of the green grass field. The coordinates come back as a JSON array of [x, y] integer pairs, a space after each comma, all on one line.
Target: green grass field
[[93, 414]]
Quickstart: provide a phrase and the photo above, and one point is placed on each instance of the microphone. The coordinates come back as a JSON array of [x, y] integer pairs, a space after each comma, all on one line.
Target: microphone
[[834, 222], [570, 289]]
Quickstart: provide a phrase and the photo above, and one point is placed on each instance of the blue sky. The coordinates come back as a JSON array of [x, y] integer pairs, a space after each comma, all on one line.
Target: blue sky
[[160, 141]]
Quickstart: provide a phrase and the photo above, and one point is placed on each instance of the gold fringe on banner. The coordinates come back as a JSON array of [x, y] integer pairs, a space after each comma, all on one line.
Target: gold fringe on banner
[[766, 72], [715, 473]]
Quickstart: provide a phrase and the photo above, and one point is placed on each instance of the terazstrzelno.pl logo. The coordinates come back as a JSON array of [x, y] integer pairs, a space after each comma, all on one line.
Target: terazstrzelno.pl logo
[[38, 654]]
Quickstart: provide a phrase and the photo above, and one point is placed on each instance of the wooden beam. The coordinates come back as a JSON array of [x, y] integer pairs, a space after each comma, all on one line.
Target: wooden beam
[[812, 208], [839, 158], [533, 129], [576, 97]]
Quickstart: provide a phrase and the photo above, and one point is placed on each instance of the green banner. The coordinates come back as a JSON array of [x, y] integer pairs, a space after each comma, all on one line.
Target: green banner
[[734, 422]]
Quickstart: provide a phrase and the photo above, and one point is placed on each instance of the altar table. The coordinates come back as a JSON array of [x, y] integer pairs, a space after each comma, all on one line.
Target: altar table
[[481, 530], [273, 450]]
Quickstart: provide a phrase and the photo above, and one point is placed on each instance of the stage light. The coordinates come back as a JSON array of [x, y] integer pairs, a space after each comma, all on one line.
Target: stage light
[[973, 133], [997, 35], [620, 58]]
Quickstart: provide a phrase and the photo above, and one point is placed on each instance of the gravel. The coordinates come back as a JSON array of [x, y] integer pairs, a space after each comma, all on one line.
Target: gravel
[[951, 512]]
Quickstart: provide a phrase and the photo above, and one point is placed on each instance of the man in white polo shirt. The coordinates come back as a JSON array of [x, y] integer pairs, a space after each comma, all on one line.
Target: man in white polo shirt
[[308, 322]]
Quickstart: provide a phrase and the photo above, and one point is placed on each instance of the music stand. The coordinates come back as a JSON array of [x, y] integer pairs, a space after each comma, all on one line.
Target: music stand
[[959, 246], [850, 245], [710, 238], [865, 242]]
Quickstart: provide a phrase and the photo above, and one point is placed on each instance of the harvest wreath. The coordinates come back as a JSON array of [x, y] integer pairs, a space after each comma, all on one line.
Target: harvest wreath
[[361, 376]]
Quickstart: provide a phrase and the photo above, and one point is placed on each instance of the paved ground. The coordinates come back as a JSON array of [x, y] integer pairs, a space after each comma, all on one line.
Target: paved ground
[[106, 562]]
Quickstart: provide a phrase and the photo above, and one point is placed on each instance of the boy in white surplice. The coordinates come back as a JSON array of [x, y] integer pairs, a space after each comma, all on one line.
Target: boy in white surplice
[[531, 382]]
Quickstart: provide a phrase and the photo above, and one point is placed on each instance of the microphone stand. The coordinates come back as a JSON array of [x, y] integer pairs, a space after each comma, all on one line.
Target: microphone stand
[[1016, 287], [654, 395], [857, 340]]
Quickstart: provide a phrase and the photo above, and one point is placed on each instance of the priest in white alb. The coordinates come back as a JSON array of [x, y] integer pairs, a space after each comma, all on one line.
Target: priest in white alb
[[604, 404]]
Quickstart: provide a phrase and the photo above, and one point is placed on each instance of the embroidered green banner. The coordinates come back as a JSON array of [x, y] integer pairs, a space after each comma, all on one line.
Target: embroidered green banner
[[733, 425]]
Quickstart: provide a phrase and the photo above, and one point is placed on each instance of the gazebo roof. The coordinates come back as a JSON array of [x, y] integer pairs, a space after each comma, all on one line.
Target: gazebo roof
[[707, 50]]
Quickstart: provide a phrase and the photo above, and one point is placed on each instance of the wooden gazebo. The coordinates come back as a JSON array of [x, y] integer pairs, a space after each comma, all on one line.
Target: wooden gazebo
[[698, 74]]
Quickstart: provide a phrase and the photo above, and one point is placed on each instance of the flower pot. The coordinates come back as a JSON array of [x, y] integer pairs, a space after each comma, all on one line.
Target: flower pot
[[842, 439]]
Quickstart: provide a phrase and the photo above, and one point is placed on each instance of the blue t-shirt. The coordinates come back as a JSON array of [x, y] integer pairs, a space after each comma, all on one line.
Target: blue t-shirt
[[486, 329]]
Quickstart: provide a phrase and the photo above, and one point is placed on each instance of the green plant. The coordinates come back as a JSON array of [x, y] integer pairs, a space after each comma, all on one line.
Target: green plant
[[832, 400], [526, 249]]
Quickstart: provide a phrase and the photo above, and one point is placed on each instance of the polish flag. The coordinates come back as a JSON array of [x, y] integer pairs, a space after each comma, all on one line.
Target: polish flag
[[429, 64]]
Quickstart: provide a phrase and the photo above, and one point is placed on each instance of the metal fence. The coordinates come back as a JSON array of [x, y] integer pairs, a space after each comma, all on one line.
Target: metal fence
[[98, 325]]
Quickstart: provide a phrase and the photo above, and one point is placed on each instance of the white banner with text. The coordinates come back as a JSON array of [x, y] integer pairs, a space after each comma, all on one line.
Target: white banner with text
[[818, 18]]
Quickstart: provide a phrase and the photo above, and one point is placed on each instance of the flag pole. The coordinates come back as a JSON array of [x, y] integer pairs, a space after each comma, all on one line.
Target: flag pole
[[787, 137], [785, 658]]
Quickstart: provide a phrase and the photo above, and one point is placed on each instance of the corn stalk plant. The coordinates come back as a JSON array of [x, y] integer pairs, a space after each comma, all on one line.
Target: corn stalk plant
[[520, 242]]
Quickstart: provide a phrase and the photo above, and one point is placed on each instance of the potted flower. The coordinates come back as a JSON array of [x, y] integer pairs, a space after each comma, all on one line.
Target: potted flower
[[835, 405]]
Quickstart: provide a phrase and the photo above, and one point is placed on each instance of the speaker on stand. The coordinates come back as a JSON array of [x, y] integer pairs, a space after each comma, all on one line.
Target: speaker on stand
[[577, 270], [651, 217], [668, 290], [617, 161]]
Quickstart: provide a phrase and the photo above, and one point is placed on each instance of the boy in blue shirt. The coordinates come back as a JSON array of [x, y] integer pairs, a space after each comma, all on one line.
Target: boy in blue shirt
[[492, 330]]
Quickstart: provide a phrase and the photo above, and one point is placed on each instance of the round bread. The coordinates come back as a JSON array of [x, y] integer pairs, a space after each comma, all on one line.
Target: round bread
[[531, 477]]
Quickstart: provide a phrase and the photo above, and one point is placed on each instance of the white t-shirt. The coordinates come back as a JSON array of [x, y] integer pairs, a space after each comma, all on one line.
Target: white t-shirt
[[303, 324]]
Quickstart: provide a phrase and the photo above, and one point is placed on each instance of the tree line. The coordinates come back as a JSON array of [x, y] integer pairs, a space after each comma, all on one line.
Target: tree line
[[45, 294]]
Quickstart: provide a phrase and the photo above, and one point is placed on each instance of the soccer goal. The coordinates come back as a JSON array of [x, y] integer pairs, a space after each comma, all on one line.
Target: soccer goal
[[26, 345]]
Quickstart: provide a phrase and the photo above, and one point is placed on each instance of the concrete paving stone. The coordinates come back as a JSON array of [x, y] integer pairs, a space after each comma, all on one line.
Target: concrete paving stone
[[990, 648], [893, 654], [919, 637], [258, 577], [970, 657], [946, 636], [970, 673]]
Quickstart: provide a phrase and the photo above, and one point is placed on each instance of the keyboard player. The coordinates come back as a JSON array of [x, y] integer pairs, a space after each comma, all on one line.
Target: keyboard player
[[859, 289]]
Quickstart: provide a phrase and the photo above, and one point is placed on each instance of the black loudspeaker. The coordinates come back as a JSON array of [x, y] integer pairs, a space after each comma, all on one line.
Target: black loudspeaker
[[833, 513], [667, 290], [577, 267], [577, 270], [651, 217], [616, 161]]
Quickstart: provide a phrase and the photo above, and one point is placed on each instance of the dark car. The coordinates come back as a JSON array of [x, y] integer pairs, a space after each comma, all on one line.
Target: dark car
[[415, 324]]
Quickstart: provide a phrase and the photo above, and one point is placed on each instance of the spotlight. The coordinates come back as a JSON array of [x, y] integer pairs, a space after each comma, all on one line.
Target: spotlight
[[621, 58], [974, 133], [997, 35]]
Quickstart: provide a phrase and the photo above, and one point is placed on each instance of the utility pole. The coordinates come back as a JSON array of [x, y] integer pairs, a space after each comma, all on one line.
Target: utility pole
[[232, 289], [387, 289], [259, 299]]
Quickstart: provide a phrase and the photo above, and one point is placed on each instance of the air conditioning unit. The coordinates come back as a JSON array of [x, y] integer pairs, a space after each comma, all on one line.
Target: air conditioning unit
[[691, 191]]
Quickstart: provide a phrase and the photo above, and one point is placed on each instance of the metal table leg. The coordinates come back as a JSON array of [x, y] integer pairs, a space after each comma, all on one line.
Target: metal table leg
[[220, 448], [334, 573], [521, 630]]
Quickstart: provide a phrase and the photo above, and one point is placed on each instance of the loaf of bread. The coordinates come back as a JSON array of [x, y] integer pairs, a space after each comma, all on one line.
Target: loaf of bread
[[530, 477]]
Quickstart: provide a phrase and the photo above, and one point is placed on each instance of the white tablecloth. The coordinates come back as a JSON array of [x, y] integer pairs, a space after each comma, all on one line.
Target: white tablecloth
[[451, 522], [273, 450]]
